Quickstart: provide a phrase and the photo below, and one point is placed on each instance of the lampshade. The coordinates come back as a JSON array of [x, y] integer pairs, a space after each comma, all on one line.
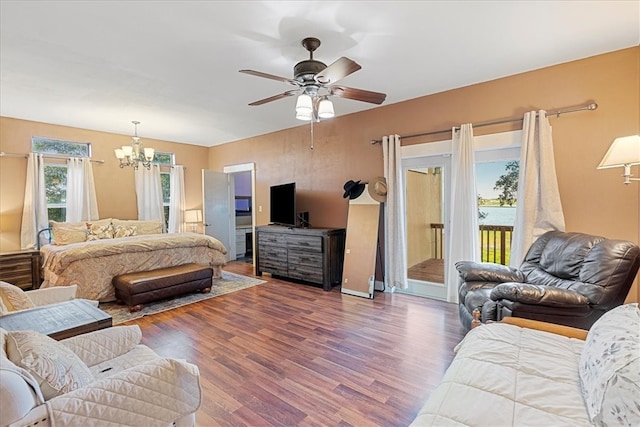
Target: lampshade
[[624, 151], [304, 115], [325, 109], [304, 104], [194, 215]]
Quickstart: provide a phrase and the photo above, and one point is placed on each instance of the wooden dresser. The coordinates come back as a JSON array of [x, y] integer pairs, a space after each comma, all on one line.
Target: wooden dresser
[[21, 268], [313, 255]]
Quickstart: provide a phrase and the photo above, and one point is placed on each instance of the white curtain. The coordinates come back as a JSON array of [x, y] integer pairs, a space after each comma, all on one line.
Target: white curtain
[[34, 211], [176, 200], [539, 208], [149, 193], [395, 246], [82, 204], [463, 212]]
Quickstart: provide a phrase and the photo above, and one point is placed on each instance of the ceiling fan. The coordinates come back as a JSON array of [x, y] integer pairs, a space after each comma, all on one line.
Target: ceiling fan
[[316, 82]]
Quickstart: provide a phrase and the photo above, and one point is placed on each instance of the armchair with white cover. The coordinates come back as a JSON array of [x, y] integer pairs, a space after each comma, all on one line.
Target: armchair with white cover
[[106, 377], [13, 298]]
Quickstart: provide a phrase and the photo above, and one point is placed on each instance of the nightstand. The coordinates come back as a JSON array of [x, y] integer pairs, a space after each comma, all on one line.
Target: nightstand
[[21, 268]]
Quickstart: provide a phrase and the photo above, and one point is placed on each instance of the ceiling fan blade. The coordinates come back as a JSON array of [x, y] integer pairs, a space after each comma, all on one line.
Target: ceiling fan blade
[[270, 76], [358, 94], [274, 97], [336, 71]]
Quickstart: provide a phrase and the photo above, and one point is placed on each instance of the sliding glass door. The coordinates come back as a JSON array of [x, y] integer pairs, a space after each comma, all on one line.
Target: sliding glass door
[[426, 201]]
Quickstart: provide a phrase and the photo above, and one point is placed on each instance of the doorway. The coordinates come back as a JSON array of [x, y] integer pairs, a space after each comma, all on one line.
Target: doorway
[[229, 209]]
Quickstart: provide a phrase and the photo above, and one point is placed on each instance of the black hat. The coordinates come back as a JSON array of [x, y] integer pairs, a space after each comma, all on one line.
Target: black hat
[[352, 189]]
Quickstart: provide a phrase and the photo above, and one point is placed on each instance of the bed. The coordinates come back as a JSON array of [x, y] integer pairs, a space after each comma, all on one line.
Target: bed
[[93, 264]]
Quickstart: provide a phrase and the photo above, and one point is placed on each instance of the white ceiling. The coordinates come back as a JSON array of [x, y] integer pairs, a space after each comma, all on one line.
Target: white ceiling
[[173, 65]]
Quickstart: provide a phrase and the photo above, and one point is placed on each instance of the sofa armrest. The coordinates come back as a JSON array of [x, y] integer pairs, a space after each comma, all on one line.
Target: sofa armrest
[[55, 294], [487, 272], [566, 331], [526, 293], [104, 344], [158, 392]]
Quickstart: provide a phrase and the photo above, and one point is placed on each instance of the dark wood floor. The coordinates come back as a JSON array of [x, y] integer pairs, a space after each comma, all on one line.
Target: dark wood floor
[[287, 354], [431, 270]]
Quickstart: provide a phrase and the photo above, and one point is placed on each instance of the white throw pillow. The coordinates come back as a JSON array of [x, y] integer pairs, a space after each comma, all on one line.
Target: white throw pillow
[[610, 368], [13, 298], [56, 368], [65, 233]]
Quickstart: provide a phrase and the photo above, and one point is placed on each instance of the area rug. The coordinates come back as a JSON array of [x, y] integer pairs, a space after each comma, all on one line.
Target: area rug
[[230, 282]]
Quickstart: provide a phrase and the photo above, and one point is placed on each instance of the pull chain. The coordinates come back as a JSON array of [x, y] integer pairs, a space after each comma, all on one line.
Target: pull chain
[[311, 147]]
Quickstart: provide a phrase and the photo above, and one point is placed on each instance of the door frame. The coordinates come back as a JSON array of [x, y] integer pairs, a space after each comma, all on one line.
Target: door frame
[[247, 167]]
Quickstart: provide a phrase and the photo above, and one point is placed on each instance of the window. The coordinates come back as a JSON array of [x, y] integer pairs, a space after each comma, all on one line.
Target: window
[[55, 171], [163, 159]]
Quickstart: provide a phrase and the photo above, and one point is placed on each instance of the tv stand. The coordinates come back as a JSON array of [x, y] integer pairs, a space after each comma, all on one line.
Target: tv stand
[[313, 255]]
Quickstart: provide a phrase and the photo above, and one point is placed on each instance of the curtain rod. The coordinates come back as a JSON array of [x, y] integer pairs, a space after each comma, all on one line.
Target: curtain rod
[[47, 156], [53, 156], [557, 113]]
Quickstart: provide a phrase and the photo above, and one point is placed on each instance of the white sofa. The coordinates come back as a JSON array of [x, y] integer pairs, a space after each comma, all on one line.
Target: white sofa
[[507, 375], [104, 378]]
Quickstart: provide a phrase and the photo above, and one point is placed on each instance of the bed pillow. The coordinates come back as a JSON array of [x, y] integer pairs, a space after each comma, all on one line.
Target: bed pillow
[[13, 298], [65, 233], [125, 231], [610, 368], [57, 369], [142, 227], [98, 231]]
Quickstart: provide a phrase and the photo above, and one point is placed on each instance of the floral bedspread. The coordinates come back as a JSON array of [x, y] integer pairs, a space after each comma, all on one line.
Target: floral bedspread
[[92, 265]]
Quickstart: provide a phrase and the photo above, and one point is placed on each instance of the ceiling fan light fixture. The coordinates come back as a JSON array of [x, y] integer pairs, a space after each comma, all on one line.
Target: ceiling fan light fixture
[[304, 104], [325, 109], [304, 115]]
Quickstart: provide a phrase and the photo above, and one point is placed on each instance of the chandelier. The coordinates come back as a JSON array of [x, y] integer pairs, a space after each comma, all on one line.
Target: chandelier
[[135, 154]]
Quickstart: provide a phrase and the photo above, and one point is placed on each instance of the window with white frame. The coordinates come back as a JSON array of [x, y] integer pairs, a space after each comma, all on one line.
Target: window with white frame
[[165, 159], [55, 170]]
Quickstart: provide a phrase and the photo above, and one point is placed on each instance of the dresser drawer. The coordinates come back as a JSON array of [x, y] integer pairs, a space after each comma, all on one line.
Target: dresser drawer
[[21, 269], [272, 239], [308, 243], [306, 272]]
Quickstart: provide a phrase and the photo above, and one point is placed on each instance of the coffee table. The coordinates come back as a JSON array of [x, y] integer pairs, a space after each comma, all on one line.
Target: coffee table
[[59, 321]]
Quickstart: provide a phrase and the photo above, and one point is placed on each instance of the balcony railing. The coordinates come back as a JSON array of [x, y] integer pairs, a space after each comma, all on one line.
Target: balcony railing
[[495, 242]]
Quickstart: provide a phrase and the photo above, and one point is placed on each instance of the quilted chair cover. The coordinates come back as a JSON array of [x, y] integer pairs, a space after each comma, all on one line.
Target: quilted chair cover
[[132, 386]]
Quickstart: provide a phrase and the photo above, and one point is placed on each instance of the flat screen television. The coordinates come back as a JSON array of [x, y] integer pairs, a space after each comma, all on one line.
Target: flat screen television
[[283, 204]]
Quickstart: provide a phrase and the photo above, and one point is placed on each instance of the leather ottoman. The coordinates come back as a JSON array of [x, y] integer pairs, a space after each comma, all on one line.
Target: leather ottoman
[[136, 289]]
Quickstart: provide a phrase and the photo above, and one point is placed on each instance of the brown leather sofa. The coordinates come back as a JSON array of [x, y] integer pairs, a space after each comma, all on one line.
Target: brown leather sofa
[[566, 278]]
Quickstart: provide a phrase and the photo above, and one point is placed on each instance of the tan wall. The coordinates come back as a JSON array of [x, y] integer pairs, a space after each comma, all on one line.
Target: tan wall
[[114, 186], [594, 201]]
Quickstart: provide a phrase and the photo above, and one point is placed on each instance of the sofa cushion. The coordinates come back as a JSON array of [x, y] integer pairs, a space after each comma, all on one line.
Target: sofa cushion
[[610, 368], [19, 392], [13, 298], [504, 375], [56, 368]]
